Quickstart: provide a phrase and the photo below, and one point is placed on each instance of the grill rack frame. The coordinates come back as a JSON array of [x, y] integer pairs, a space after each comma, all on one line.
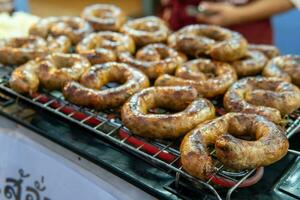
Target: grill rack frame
[[152, 159]]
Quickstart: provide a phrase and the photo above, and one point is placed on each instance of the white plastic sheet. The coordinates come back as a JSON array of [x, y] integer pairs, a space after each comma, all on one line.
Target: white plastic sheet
[[31, 171]]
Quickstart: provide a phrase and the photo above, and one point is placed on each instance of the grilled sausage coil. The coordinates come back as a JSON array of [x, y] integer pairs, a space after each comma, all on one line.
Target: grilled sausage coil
[[269, 97], [154, 59], [16, 51], [74, 28], [210, 78], [251, 64], [104, 17], [88, 91], [19, 50], [191, 111], [218, 43], [270, 144], [270, 51], [104, 46], [58, 68], [146, 30], [284, 67], [24, 79]]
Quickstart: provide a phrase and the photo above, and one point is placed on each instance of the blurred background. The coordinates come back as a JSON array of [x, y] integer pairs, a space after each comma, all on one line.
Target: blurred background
[[286, 26]]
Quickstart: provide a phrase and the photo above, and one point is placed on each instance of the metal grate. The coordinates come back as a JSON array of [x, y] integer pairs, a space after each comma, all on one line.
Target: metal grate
[[163, 154]]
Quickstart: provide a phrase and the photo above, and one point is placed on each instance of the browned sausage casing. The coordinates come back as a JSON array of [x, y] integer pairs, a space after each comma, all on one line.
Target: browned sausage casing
[[17, 51], [104, 17], [270, 51], [154, 59], [146, 30], [74, 28], [88, 92], [24, 79], [284, 67], [60, 44], [209, 78], [251, 64], [104, 46], [58, 68], [270, 144], [191, 111], [216, 42], [269, 97]]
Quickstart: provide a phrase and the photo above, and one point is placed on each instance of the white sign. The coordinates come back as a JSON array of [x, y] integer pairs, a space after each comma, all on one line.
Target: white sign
[[29, 171]]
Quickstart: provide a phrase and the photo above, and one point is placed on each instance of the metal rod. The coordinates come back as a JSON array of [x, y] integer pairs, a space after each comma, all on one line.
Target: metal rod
[[49, 102], [60, 107], [228, 195], [175, 160], [294, 152], [212, 152], [87, 118], [71, 114], [161, 150], [293, 128], [234, 174], [100, 124], [36, 98], [124, 139], [177, 180], [214, 174], [138, 148], [114, 130]]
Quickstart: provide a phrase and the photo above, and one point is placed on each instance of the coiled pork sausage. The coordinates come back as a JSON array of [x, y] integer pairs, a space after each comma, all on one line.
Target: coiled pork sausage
[[210, 78], [284, 67], [88, 91], [270, 144], [104, 17], [190, 111], [216, 42], [269, 97]]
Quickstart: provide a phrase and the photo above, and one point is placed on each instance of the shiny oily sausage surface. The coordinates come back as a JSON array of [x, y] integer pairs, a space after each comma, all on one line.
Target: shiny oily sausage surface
[[58, 68], [104, 17], [251, 64], [87, 92], [19, 50], [270, 51], [74, 28], [60, 44], [210, 78], [284, 67], [104, 46], [24, 79], [224, 133], [146, 30], [154, 59], [269, 97], [190, 111], [218, 43]]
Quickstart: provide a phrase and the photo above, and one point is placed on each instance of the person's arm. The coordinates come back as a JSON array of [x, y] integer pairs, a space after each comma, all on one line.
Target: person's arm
[[296, 3], [226, 14]]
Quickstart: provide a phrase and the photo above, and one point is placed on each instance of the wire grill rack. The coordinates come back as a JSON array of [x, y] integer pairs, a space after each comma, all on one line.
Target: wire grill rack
[[162, 154]]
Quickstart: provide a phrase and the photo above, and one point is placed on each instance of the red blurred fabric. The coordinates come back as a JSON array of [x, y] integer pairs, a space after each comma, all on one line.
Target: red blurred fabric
[[258, 32]]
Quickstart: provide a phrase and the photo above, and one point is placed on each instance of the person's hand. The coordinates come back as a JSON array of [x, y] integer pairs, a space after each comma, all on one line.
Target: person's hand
[[166, 14], [164, 2], [222, 14]]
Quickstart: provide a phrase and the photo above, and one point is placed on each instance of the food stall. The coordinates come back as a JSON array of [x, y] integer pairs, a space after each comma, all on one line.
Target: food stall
[[102, 107]]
